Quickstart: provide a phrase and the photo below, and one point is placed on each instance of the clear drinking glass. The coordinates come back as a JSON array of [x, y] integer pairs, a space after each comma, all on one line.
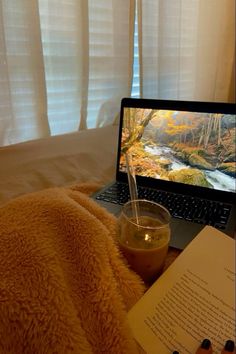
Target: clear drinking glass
[[144, 235]]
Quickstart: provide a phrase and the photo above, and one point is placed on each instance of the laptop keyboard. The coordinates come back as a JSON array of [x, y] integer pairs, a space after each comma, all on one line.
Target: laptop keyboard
[[194, 209]]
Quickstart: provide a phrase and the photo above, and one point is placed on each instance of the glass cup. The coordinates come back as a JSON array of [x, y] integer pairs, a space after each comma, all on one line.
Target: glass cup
[[144, 235]]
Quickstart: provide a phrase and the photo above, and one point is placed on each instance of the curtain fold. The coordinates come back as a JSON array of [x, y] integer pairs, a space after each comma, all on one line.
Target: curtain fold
[[63, 26], [110, 64], [23, 100], [84, 53], [187, 48], [215, 49]]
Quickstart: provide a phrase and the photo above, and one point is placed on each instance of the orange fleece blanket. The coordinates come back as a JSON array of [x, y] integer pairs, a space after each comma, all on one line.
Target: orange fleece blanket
[[64, 287]]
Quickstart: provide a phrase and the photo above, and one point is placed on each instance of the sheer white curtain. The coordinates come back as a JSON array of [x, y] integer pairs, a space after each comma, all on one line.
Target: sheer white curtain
[[187, 49], [64, 65]]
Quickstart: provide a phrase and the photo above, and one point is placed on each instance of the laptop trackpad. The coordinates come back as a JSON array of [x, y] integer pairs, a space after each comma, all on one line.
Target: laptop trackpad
[[182, 232]]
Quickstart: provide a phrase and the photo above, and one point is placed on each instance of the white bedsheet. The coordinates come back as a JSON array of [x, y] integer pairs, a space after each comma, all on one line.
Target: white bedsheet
[[85, 156]]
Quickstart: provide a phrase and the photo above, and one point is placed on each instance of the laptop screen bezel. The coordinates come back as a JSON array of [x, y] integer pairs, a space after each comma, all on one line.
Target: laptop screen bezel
[[192, 106]]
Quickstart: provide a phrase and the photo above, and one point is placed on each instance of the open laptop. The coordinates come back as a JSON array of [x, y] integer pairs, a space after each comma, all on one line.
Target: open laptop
[[183, 153]]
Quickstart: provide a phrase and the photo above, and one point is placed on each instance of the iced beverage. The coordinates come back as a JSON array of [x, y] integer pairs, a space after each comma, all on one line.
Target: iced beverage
[[144, 241]]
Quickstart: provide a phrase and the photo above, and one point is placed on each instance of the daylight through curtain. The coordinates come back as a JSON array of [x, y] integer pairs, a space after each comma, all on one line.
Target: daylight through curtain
[[64, 64], [187, 49]]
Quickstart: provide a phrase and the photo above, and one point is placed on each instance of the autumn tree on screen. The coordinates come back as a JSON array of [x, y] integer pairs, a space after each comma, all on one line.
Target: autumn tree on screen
[[179, 125], [135, 121], [211, 126]]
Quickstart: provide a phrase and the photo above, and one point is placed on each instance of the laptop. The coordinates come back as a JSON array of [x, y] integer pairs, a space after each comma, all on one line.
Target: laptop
[[183, 153]]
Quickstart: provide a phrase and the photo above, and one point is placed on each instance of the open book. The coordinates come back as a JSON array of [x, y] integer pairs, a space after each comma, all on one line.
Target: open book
[[192, 300]]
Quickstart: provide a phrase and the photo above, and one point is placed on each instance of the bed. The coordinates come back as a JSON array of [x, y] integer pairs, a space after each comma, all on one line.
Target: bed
[[84, 156], [64, 286]]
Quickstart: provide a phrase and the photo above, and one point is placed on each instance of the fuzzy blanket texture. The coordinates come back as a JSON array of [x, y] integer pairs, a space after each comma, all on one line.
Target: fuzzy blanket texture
[[64, 286]]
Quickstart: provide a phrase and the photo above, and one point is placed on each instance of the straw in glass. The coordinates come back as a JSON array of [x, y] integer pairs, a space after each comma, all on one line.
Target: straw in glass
[[132, 185]]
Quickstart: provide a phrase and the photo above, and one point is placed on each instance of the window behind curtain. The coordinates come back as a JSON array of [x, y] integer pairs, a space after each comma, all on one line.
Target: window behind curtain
[[21, 74], [81, 74], [187, 49], [169, 37], [136, 74], [65, 65], [60, 41]]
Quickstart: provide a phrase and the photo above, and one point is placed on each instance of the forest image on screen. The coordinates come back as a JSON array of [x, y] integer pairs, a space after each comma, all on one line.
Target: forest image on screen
[[187, 147]]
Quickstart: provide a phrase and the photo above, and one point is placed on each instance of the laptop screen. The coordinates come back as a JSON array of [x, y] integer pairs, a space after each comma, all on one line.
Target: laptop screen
[[183, 146]]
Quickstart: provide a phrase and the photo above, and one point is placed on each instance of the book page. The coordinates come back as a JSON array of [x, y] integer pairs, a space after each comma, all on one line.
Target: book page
[[194, 299]]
